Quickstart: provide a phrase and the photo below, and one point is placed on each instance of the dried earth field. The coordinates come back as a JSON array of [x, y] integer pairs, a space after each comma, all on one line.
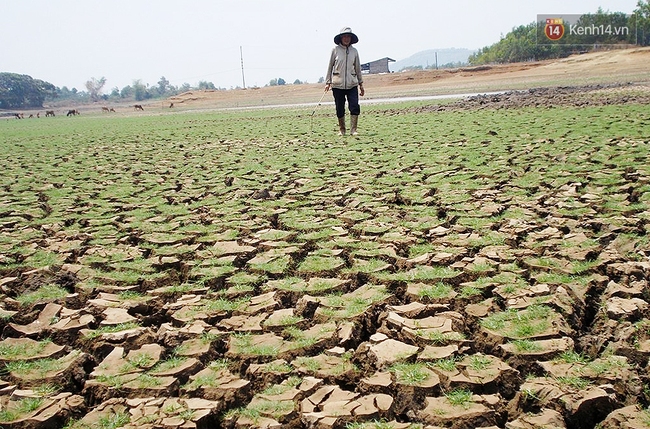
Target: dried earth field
[[482, 262]]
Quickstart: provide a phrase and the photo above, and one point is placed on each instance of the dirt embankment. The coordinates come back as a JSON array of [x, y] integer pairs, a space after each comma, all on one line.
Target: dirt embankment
[[606, 67]]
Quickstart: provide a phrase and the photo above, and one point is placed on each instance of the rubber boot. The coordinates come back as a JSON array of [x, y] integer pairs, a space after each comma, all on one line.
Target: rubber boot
[[354, 119], [342, 126]]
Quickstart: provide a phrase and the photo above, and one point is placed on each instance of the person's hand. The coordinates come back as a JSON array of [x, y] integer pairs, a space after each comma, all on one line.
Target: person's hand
[[327, 87], [361, 90]]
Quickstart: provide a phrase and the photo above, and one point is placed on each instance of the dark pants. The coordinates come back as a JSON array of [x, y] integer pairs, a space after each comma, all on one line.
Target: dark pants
[[352, 95]]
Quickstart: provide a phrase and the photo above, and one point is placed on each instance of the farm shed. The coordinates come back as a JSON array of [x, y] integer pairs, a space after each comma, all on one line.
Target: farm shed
[[377, 66]]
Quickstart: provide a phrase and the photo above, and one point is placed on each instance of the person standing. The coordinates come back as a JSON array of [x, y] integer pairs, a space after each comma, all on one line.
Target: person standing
[[344, 78]]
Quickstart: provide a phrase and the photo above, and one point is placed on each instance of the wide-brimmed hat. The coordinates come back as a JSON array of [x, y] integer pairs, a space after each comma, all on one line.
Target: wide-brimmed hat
[[345, 30]]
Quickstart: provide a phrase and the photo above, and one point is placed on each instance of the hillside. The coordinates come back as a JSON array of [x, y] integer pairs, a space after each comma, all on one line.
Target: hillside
[[431, 57]]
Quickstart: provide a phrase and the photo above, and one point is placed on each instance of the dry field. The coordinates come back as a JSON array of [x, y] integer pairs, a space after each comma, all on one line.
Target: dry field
[[482, 262]]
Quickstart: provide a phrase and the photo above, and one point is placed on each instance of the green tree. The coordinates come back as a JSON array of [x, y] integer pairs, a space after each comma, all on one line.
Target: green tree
[[163, 86], [126, 92], [22, 91], [206, 85], [523, 42], [139, 90], [642, 21], [94, 87]]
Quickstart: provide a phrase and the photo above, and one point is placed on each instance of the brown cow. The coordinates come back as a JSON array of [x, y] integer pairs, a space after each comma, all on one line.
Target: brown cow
[[49, 113], [104, 109], [73, 112], [138, 107]]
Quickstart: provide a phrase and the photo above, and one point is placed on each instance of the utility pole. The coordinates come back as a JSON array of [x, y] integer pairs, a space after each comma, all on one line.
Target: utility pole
[[241, 56]]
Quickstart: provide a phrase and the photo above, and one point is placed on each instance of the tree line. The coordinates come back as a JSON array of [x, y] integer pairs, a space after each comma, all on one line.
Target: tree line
[[523, 42], [20, 91]]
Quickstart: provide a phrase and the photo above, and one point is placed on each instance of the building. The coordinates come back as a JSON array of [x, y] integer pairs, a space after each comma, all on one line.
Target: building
[[377, 66]]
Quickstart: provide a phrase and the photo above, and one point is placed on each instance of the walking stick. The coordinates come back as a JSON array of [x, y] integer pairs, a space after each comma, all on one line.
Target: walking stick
[[311, 118]]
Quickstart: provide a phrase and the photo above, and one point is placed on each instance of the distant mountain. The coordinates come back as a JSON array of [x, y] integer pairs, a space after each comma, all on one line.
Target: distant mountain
[[428, 58]]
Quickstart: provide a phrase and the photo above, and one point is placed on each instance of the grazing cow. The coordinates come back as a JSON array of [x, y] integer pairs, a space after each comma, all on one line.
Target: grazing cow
[[38, 115], [31, 116], [171, 105], [18, 115], [112, 110], [49, 113], [105, 109], [73, 112], [138, 107]]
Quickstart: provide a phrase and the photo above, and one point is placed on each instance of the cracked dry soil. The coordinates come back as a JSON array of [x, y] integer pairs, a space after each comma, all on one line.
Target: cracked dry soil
[[303, 322]]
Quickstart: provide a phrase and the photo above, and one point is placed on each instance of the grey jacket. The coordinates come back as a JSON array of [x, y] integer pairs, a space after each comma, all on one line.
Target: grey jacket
[[344, 70]]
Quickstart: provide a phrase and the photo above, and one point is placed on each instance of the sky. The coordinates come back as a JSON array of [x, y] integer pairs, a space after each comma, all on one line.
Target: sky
[[236, 43]]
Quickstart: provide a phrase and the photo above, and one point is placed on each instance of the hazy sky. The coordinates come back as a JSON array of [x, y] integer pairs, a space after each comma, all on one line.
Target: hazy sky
[[67, 42]]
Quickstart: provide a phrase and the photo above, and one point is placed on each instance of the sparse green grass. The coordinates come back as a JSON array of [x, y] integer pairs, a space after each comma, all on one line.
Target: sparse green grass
[[352, 305], [279, 367], [520, 324], [110, 329], [147, 381], [244, 344], [526, 346], [320, 264], [299, 338], [114, 381], [20, 409], [39, 367], [378, 424], [42, 258], [422, 273], [440, 338], [14, 351], [278, 389], [410, 374], [169, 364], [308, 362], [447, 364], [112, 420], [479, 362], [470, 291], [572, 358], [574, 382], [460, 398], [45, 293], [123, 183], [437, 291]]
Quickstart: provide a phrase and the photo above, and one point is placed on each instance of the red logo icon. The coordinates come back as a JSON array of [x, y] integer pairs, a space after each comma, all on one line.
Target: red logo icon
[[554, 28]]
